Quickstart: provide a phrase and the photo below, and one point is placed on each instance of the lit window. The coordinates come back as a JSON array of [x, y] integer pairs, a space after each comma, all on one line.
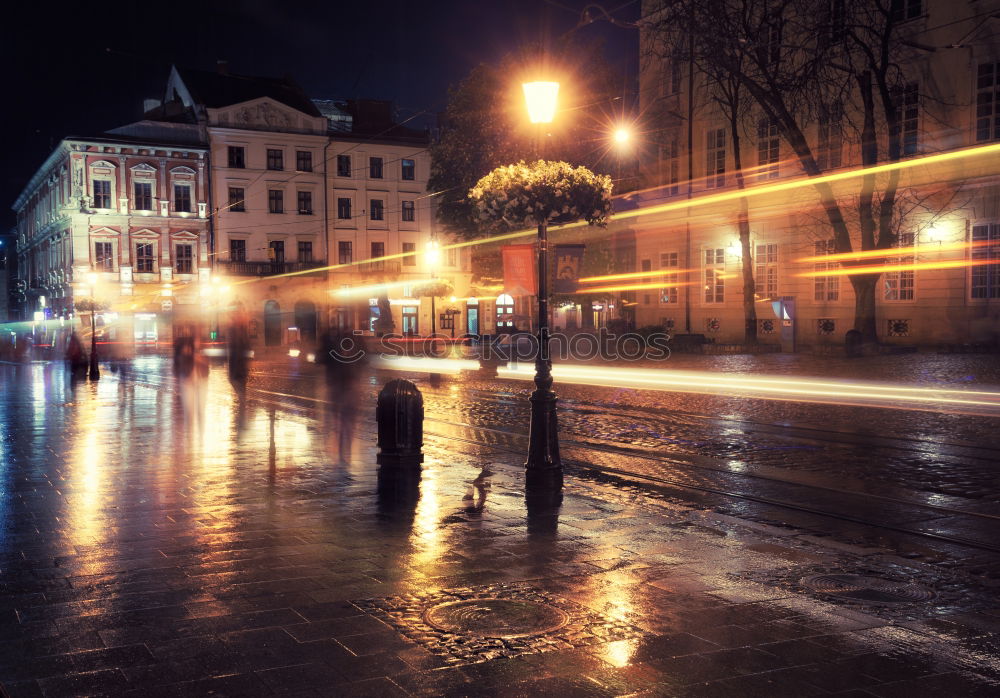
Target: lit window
[[669, 260], [899, 284], [715, 158], [715, 272], [985, 272], [826, 288], [766, 273]]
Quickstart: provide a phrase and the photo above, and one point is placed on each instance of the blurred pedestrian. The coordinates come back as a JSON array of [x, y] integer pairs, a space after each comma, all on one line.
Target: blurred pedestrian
[[343, 358], [76, 358], [238, 345], [191, 370]]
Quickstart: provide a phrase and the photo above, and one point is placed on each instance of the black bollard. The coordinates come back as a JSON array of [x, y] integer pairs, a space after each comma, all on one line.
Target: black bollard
[[400, 417]]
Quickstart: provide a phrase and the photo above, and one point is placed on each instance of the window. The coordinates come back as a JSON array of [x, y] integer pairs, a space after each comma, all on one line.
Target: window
[[237, 199], [275, 159], [102, 193], [410, 260], [375, 168], [345, 255], [104, 256], [409, 214], [275, 201], [769, 46], [276, 251], [237, 156], [715, 273], [305, 251], [670, 157], [377, 252], [344, 208], [669, 260], [376, 210], [673, 74], [144, 196], [305, 202], [182, 198], [452, 256], [183, 258], [408, 169], [410, 320], [715, 158], [988, 102], [899, 284], [903, 10], [303, 161], [766, 272], [907, 102], [828, 155], [343, 165], [985, 282], [237, 250], [826, 288], [768, 146], [144, 257]]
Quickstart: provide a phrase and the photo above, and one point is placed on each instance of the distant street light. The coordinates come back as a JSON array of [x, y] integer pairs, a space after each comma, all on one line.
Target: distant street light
[[543, 467]]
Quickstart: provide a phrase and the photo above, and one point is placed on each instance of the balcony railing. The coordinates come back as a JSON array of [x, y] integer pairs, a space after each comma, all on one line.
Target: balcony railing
[[267, 268]]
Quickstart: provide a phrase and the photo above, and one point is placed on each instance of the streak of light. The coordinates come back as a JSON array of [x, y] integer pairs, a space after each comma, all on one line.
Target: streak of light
[[770, 387], [633, 275], [425, 365], [894, 252], [909, 266], [369, 289], [632, 287]]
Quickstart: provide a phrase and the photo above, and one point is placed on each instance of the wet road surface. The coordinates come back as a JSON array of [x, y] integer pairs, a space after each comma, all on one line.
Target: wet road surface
[[145, 552]]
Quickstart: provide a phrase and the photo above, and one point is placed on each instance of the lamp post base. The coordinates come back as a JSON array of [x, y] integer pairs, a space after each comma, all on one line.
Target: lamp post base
[[543, 467]]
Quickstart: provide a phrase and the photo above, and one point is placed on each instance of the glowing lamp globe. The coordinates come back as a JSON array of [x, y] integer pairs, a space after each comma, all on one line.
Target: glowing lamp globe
[[541, 100], [622, 136]]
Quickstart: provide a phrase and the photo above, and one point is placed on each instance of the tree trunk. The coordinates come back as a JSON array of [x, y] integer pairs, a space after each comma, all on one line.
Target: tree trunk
[[864, 305]]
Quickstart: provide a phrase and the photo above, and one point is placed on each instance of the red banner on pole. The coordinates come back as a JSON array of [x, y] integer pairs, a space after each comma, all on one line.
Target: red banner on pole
[[519, 278]]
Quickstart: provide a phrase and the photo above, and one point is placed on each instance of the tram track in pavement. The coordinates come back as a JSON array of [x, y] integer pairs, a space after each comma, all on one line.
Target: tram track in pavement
[[707, 481]]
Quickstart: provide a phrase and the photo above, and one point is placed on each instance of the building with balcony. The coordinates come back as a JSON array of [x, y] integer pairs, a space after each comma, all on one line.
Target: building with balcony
[[123, 219], [267, 147], [945, 229]]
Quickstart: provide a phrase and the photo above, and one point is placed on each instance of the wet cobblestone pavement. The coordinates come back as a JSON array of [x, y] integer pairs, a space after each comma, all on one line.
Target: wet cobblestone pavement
[[143, 555]]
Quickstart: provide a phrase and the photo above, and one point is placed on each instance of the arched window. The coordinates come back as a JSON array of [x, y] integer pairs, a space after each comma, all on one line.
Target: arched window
[[305, 320], [505, 311], [272, 324]]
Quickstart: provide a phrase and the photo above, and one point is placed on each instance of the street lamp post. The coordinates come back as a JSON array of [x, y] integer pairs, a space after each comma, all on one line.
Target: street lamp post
[[433, 257], [543, 467], [95, 371]]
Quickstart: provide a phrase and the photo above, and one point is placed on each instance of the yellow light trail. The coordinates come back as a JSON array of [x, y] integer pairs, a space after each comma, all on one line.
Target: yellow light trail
[[633, 275], [895, 251], [759, 190], [858, 393], [909, 266]]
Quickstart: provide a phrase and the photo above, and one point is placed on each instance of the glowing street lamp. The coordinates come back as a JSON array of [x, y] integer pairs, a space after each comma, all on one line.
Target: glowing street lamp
[[543, 467], [541, 98], [622, 136]]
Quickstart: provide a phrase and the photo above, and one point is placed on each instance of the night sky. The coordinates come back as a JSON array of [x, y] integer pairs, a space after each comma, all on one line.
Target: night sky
[[84, 70]]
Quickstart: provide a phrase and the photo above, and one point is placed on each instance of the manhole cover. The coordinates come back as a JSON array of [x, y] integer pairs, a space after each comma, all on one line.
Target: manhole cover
[[503, 618], [865, 589]]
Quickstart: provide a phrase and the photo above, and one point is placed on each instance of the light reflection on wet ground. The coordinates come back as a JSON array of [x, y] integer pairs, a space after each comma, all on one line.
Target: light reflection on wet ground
[[143, 551]]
